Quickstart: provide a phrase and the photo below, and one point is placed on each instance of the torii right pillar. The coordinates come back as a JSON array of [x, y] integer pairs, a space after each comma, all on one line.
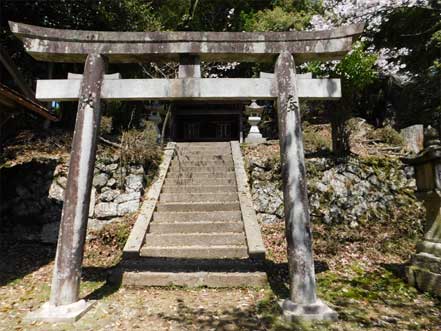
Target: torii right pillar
[[302, 303]]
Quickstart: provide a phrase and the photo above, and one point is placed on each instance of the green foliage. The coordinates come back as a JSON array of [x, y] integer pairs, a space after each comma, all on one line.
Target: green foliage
[[293, 5], [276, 19], [435, 40], [356, 69], [129, 15]]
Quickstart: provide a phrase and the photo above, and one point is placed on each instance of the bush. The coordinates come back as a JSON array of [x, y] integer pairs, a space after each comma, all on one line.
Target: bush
[[141, 147], [386, 135]]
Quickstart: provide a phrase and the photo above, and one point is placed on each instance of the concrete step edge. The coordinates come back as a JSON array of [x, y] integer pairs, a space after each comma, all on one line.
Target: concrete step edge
[[194, 279], [196, 252], [195, 227], [176, 235]]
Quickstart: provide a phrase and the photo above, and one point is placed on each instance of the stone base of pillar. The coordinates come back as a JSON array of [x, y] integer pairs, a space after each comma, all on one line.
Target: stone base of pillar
[[60, 314], [254, 139], [319, 311], [424, 271]]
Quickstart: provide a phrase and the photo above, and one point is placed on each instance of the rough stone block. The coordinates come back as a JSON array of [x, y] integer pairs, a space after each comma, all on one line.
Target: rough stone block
[[111, 182], [128, 207], [130, 196], [100, 180], [106, 210], [424, 280], [109, 195], [56, 192], [134, 183], [413, 137]]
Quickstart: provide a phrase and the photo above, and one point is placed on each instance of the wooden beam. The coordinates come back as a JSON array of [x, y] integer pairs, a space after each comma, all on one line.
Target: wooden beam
[[16, 75], [17, 100], [188, 89]]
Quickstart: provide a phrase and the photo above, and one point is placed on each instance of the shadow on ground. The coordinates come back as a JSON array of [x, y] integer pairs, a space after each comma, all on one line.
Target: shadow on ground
[[278, 276], [204, 319], [22, 258]]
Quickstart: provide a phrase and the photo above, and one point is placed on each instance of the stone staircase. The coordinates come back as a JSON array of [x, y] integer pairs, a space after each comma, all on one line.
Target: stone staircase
[[196, 235]]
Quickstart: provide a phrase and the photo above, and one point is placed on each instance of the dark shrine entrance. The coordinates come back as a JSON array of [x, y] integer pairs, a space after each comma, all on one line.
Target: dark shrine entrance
[[206, 122], [207, 127]]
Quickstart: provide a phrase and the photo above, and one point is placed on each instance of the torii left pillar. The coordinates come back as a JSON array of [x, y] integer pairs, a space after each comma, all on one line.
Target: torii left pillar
[[64, 304]]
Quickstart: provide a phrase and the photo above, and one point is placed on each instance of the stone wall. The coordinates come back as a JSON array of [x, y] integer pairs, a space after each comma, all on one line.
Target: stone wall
[[351, 191], [32, 195]]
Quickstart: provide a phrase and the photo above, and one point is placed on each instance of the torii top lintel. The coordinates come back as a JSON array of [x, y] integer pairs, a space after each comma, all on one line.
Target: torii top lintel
[[57, 45]]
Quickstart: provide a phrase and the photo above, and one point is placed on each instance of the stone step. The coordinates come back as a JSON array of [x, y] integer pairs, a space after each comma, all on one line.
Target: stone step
[[212, 148], [194, 279], [189, 175], [203, 154], [196, 252], [197, 206], [205, 158], [191, 163], [216, 154], [219, 168], [201, 181], [198, 188], [185, 265], [194, 239], [223, 216], [198, 197], [204, 143], [195, 227]]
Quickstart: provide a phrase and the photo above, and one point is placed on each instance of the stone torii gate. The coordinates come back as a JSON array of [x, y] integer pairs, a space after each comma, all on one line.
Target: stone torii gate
[[95, 49]]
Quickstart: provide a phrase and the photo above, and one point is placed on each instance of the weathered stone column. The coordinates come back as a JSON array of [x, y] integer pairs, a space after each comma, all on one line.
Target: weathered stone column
[[424, 271], [64, 304], [303, 302]]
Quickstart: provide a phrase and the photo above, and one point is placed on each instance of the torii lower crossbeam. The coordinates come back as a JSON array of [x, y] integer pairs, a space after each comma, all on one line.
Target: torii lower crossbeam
[[188, 89]]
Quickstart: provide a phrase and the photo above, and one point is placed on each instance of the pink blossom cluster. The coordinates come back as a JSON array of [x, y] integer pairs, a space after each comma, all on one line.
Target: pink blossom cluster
[[374, 13]]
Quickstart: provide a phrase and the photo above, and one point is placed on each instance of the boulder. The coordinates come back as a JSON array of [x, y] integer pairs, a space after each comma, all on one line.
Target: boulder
[[106, 210], [109, 195], [134, 183], [130, 196], [137, 170], [111, 167], [413, 137], [62, 181], [56, 192], [267, 218], [111, 183], [128, 207], [100, 180]]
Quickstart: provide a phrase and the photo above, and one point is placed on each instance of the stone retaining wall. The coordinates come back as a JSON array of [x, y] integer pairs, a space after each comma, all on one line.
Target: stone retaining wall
[[31, 206], [353, 191]]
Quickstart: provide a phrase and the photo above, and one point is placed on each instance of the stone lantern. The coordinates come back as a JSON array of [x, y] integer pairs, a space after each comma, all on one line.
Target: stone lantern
[[254, 111], [155, 117], [424, 271]]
